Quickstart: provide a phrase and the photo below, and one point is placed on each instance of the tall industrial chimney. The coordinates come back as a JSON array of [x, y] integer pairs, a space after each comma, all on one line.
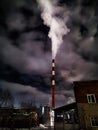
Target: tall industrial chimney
[[53, 83]]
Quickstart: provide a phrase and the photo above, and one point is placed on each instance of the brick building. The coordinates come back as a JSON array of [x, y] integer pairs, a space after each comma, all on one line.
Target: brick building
[[86, 94]]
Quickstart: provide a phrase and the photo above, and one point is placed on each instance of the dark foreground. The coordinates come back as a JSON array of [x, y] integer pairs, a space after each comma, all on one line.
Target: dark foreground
[[32, 128]]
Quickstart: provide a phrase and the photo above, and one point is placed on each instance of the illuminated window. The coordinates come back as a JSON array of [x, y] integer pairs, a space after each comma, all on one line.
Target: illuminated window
[[94, 121], [91, 98], [43, 110]]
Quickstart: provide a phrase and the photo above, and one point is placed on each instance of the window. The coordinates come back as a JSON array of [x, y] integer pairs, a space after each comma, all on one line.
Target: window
[[94, 121], [91, 98], [59, 117]]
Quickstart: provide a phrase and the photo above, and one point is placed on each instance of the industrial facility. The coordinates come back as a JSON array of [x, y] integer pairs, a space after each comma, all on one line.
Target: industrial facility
[[79, 115]]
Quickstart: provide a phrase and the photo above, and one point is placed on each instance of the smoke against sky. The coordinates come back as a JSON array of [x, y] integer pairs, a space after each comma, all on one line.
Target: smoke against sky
[[55, 17], [26, 39]]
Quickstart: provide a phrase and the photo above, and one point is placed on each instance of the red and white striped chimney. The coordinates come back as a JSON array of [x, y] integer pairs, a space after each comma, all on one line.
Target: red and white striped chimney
[[53, 83]]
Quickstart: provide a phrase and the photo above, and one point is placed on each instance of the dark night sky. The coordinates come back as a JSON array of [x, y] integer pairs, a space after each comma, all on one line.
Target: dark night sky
[[25, 48]]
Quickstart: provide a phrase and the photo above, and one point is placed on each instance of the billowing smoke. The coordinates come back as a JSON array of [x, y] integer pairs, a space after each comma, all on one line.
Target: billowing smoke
[[25, 48], [51, 14]]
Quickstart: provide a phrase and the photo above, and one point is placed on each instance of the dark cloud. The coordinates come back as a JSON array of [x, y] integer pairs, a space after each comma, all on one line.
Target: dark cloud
[[25, 49]]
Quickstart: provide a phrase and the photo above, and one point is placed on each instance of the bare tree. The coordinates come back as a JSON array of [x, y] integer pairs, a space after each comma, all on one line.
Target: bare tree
[[28, 104], [6, 98]]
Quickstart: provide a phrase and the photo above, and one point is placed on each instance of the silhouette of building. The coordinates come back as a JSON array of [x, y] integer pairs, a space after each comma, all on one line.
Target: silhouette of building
[[18, 118], [44, 115], [66, 117]]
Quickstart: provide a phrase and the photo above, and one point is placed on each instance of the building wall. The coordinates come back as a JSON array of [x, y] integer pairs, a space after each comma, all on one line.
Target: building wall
[[86, 110], [63, 123], [61, 126], [82, 88]]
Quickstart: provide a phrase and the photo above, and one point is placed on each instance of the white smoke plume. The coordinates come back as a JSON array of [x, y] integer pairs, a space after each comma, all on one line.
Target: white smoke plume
[[56, 18]]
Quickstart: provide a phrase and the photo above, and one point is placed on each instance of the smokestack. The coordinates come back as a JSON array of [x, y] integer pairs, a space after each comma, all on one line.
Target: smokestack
[[53, 83]]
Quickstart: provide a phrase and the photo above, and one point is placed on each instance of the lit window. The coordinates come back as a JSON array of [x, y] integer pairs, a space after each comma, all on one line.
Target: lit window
[[91, 98], [94, 121], [60, 115]]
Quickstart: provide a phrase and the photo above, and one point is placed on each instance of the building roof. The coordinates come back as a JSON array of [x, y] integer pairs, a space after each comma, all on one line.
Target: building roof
[[66, 107], [85, 81]]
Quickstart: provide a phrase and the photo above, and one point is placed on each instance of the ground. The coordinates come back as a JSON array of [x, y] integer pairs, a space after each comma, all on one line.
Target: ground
[[36, 128]]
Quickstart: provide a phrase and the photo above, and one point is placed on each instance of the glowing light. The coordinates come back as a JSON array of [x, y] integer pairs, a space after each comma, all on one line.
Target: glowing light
[[53, 64], [53, 72], [53, 82], [43, 110], [51, 118]]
